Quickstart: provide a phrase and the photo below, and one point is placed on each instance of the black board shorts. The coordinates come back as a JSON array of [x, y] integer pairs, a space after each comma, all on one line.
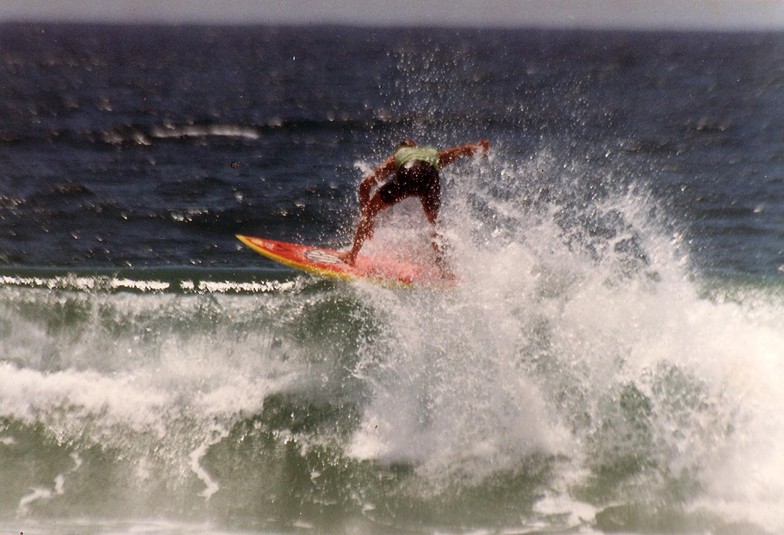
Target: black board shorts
[[419, 179]]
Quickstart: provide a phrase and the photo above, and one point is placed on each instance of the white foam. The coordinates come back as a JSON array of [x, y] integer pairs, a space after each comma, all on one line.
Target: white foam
[[84, 283], [543, 335], [115, 283], [219, 130], [210, 485], [244, 287], [42, 493], [29, 394], [145, 286]]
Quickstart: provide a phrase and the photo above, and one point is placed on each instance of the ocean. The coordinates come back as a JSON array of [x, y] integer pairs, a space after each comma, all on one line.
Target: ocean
[[612, 360]]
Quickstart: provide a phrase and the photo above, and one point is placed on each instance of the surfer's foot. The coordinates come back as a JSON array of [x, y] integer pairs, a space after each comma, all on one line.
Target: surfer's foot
[[446, 273], [443, 267], [347, 257]]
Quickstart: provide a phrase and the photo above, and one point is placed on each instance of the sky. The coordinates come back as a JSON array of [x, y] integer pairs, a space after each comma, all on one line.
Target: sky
[[624, 14]]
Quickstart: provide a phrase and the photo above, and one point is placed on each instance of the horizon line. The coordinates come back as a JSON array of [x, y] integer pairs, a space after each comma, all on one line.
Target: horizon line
[[533, 26]]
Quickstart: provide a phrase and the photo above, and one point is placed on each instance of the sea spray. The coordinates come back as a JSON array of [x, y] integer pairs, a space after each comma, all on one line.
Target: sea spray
[[578, 332]]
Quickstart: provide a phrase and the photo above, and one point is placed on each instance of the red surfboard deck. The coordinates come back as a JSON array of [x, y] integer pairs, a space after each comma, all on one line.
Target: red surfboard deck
[[326, 263]]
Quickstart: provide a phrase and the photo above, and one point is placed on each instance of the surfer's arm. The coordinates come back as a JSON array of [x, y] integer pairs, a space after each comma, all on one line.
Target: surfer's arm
[[469, 149], [369, 182]]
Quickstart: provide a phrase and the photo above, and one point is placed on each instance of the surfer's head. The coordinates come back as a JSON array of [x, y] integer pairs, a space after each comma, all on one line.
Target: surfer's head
[[406, 143]]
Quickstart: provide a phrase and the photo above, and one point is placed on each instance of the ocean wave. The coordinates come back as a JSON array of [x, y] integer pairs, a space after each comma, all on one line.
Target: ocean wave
[[113, 284], [534, 390], [581, 366]]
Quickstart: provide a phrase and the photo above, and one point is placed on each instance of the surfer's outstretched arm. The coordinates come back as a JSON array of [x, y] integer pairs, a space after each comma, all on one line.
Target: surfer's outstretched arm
[[461, 151]]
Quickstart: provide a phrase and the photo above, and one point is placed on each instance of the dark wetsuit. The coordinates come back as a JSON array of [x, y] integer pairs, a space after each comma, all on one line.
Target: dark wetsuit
[[415, 177]]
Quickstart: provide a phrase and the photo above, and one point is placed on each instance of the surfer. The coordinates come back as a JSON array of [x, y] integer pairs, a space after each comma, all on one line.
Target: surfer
[[416, 174]]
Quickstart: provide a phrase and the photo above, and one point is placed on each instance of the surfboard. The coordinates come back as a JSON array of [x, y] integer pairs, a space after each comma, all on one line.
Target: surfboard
[[326, 263]]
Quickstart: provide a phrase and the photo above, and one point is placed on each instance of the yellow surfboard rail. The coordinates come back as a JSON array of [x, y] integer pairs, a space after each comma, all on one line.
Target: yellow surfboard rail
[[309, 268]]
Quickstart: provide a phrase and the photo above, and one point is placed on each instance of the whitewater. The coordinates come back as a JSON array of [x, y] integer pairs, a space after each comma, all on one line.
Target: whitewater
[[592, 383]]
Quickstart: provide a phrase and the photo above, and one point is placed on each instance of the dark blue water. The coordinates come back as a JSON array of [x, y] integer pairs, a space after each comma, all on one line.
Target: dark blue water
[[118, 141], [614, 360]]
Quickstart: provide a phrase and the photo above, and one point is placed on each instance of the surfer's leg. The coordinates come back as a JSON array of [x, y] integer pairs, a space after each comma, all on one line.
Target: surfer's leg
[[386, 195], [364, 229], [431, 204]]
